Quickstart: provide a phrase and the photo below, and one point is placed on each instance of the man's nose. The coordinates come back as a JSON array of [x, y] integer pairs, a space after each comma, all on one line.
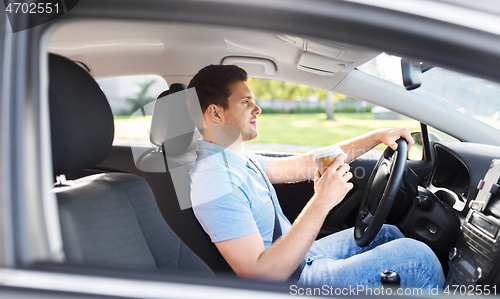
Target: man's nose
[[256, 110]]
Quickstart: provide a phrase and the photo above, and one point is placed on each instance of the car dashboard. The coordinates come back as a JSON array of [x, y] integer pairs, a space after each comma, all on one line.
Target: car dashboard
[[465, 176], [450, 179]]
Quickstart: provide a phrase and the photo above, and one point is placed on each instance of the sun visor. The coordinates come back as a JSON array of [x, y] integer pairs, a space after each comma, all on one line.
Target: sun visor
[[252, 65], [320, 64]]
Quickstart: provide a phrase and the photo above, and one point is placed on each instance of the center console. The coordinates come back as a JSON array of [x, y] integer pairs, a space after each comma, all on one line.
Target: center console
[[475, 259]]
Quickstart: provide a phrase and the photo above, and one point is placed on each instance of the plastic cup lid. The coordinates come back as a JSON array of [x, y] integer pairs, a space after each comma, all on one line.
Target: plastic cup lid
[[331, 150]]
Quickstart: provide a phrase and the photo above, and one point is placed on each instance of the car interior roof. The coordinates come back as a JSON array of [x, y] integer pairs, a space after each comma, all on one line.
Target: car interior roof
[[177, 51]]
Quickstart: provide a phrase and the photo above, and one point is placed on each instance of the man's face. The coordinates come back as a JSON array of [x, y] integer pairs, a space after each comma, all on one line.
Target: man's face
[[242, 112]]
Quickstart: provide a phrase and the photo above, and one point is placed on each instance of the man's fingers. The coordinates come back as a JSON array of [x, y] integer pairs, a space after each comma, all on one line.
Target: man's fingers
[[402, 133], [408, 138], [339, 160], [343, 169], [348, 176], [317, 175]]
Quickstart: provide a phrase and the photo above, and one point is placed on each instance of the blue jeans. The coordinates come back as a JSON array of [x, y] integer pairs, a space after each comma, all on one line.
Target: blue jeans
[[336, 260]]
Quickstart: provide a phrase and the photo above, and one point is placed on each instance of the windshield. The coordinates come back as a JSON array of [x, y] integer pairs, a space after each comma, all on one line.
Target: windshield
[[478, 98]]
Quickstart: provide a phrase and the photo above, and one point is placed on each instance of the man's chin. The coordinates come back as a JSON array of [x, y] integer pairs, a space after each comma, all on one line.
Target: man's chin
[[251, 136]]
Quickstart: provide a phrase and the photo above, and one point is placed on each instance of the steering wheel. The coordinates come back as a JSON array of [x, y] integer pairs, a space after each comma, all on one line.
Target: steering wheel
[[380, 193]]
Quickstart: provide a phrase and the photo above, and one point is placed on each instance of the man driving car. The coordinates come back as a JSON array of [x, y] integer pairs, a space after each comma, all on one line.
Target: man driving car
[[235, 202]]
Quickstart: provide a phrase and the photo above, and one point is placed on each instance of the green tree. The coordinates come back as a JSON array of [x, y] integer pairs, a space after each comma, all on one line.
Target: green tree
[[141, 98], [272, 89]]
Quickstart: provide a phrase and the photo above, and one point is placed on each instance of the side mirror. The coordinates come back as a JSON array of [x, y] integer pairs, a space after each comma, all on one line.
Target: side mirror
[[417, 151]]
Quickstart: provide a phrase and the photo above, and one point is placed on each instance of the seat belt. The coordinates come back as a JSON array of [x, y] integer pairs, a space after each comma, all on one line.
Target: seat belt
[[277, 233], [277, 226]]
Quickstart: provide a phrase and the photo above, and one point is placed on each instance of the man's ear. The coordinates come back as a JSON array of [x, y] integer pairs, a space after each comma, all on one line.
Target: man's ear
[[214, 113]]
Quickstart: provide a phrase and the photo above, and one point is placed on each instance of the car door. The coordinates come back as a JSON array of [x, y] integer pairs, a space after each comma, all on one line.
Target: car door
[[26, 178]]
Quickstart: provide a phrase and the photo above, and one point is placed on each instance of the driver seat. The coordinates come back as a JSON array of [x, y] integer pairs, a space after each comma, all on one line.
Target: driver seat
[[167, 171]]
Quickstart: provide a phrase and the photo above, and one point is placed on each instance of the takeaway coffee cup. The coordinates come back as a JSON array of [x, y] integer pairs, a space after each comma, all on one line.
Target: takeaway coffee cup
[[324, 156]]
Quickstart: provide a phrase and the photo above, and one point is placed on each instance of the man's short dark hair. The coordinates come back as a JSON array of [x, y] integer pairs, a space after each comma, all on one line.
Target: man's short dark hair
[[212, 84]]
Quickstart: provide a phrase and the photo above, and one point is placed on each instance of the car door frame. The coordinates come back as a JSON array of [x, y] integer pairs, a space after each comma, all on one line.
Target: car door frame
[[24, 155]]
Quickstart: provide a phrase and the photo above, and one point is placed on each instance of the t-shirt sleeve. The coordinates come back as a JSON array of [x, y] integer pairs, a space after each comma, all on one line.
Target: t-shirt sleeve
[[263, 161], [226, 217]]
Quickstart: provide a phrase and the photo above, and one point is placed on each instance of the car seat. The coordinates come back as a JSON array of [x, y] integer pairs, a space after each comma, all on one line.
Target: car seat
[[167, 168], [108, 220]]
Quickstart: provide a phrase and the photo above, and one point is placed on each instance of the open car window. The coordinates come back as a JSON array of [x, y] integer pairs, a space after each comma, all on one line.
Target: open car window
[[298, 118], [295, 118]]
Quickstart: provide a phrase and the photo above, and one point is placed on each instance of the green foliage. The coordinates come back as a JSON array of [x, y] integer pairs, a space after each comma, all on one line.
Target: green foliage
[[318, 109], [140, 100], [314, 129], [272, 111], [352, 109], [273, 89], [265, 90], [302, 129]]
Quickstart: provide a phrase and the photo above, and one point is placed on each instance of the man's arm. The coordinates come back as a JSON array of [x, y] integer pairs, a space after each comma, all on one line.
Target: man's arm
[[247, 255], [302, 167]]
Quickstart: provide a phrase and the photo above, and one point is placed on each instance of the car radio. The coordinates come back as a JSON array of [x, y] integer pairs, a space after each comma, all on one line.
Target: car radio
[[475, 259]]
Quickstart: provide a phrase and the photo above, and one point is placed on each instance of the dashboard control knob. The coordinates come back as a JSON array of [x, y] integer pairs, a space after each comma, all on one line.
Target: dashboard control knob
[[478, 274], [453, 254]]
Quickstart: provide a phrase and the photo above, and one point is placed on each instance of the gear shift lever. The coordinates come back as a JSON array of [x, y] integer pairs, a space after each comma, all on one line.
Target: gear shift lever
[[390, 278]]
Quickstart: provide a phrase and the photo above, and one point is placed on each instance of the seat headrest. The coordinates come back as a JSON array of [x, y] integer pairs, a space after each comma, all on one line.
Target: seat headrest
[[171, 124], [81, 120]]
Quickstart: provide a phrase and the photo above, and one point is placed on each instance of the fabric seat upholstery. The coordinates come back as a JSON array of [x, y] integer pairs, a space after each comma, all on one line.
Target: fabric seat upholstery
[[109, 219], [171, 184]]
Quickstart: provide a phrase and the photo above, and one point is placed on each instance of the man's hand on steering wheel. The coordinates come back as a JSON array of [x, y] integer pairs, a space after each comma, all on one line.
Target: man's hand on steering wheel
[[390, 136]]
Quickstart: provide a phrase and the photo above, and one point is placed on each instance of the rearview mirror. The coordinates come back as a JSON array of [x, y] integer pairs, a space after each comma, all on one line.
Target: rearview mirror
[[412, 74]]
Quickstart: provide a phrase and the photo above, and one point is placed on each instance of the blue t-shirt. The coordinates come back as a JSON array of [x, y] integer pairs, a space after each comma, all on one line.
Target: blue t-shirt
[[230, 197]]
